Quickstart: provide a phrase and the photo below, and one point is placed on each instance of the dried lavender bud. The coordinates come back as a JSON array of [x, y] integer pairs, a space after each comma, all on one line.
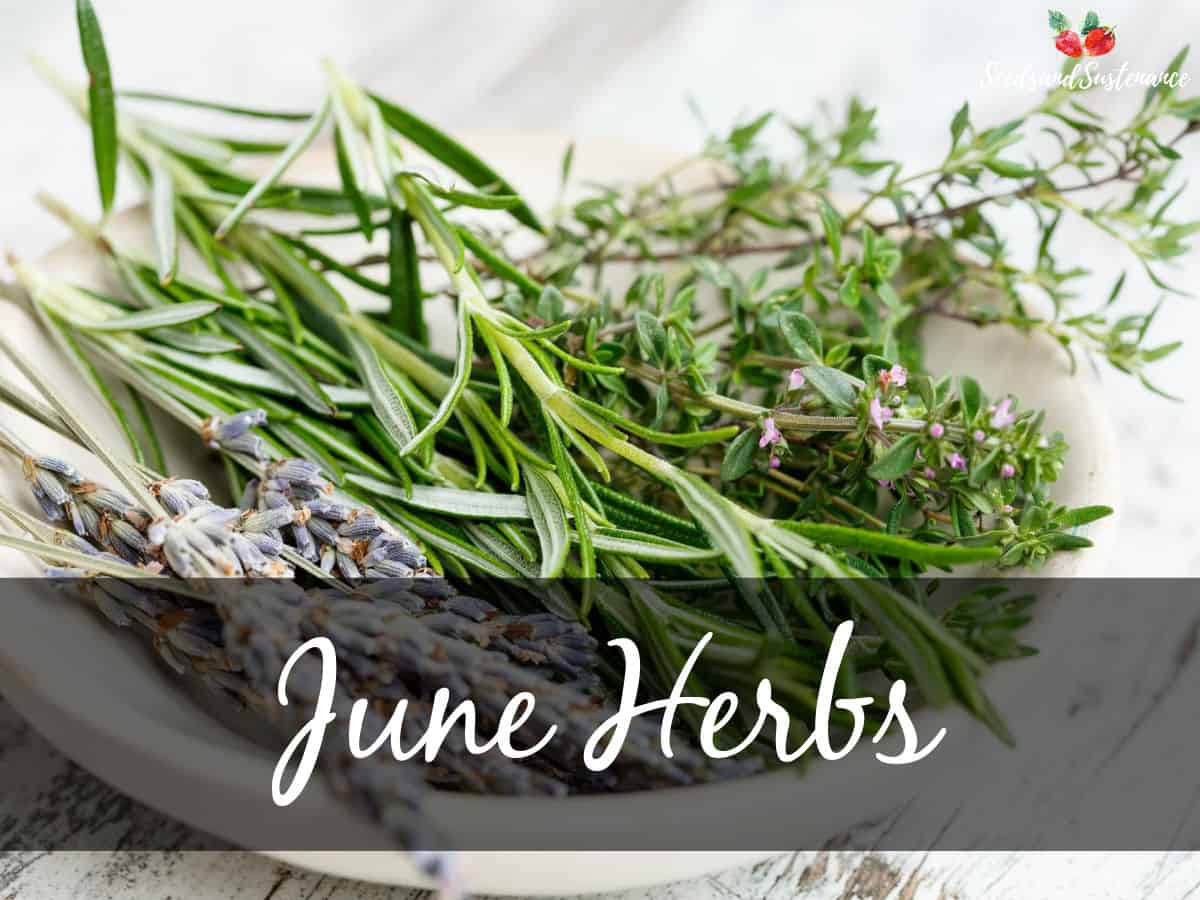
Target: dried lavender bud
[[50, 485], [327, 509], [541, 641], [50, 509], [269, 544], [352, 542], [268, 520], [262, 629], [400, 649], [105, 500], [178, 495], [64, 572], [249, 495], [59, 467], [297, 475], [233, 433]]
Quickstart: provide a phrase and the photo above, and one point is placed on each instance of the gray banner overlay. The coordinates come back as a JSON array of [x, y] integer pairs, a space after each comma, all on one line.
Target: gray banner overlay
[[1081, 735]]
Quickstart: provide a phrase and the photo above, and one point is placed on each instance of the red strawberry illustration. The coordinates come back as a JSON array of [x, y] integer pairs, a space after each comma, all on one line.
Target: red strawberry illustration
[[1100, 41], [1068, 43]]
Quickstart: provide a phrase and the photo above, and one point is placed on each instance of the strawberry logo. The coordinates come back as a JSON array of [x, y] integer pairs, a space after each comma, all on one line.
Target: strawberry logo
[[1100, 41], [1093, 39], [1068, 43]]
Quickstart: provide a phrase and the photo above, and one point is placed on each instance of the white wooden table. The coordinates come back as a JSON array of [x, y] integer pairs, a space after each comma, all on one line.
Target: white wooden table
[[620, 68]]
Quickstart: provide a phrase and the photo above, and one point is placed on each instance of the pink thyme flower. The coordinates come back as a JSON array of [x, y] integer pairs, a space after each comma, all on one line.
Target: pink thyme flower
[[929, 473], [1006, 509], [937, 429], [1007, 470], [897, 375], [795, 380], [774, 462], [770, 434], [979, 435], [880, 413], [884, 484], [957, 461], [1002, 414]]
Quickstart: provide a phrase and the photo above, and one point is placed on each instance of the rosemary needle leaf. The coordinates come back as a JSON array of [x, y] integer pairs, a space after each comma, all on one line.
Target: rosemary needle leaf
[[315, 300], [93, 377], [252, 147], [576, 362], [162, 214], [149, 319], [157, 457], [285, 160], [389, 406], [102, 107], [524, 332], [250, 112], [384, 155], [275, 360], [340, 395], [462, 374], [448, 501], [332, 265], [503, 376], [549, 521], [354, 176], [195, 341], [866, 541], [187, 143], [406, 312], [718, 518], [498, 265], [586, 548], [229, 371], [474, 200], [656, 550], [438, 231], [349, 170], [451, 153]]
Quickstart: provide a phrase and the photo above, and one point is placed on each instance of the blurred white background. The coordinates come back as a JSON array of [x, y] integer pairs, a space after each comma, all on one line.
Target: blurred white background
[[626, 68]]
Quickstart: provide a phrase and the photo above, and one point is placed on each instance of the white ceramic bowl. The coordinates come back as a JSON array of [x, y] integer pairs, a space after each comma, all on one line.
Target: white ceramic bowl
[[60, 665]]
